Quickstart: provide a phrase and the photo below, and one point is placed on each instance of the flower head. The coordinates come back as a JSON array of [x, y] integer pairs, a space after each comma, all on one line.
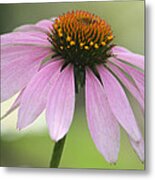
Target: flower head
[[49, 61], [81, 38]]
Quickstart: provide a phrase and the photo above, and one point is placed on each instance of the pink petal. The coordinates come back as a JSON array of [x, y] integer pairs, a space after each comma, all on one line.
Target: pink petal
[[25, 38], [139, 148], [46, 25], [119, 49], [30, 28], [60, 104], [119, 103], [136, 75], [129, 57], [14, 105], [34, 98], [16, 74], [128, 84], [11, 54], [102, 124]]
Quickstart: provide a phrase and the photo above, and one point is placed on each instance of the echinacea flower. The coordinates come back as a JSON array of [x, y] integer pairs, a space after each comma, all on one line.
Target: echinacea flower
[[50, 61]]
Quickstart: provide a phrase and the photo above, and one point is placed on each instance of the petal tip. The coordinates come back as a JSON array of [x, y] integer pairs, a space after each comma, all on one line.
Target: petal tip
[[112, 161], [139, 149], [18, 127], [21, 125], [112, 158], [55, 137]]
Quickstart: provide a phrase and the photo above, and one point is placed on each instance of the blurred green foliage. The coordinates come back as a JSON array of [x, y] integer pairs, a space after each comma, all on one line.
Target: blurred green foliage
[[32, 150]]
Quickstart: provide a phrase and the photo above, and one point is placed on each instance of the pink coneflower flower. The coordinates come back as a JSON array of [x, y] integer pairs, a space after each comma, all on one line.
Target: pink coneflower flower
[[50, 61]]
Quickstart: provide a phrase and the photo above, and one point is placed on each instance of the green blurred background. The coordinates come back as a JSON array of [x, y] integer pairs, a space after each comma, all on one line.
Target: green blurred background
[[32, 147]]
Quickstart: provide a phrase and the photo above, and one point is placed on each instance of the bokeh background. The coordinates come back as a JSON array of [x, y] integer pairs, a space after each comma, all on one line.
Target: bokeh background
[[32, 147]]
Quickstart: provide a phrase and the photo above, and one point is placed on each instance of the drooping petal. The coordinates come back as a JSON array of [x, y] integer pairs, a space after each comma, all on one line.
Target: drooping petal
[[17, 73], [60, 104], [34, 98], [119, 103], [11, 54], [46, 25], [102, 124], [128, 84], [139, 148], [119, 49], [14, 105], [129, 57], [136, 75], [25, 38], [30, 28]]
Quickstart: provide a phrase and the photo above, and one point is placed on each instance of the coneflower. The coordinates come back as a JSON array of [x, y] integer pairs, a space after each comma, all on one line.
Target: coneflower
[[50, 61]]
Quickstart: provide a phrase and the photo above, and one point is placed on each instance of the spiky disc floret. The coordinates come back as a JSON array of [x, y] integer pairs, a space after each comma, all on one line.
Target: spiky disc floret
[[81, 38]]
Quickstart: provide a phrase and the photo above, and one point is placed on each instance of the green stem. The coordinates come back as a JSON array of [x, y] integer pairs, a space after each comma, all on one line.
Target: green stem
[[57, 153]]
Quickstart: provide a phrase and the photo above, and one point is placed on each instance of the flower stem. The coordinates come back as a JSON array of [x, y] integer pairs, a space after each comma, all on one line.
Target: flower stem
[[57, 153]]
